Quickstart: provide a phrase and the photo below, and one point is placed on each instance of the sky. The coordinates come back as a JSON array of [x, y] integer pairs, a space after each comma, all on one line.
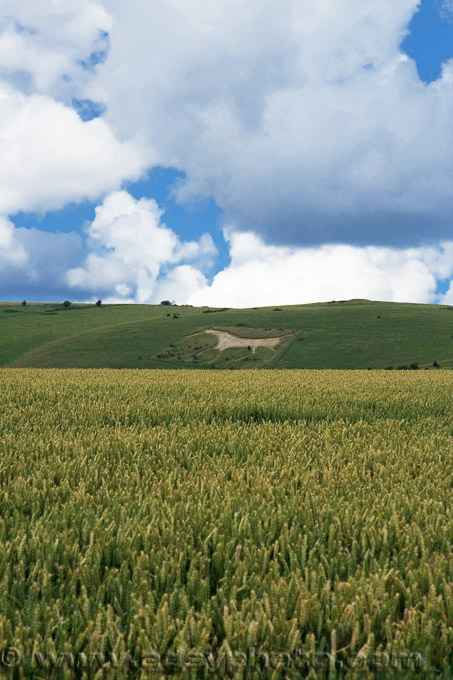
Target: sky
[[226, 152]]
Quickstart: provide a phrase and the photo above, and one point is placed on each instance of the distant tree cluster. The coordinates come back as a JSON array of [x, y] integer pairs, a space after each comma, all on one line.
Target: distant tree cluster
[[67, 303], [412, 367]]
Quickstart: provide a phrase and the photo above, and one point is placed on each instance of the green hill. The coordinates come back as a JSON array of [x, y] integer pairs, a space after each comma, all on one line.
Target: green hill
[[344, 334]]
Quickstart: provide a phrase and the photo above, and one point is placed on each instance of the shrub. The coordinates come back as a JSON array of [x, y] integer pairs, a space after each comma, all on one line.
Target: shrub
[[212, 311], [98, 303], [67, 304]]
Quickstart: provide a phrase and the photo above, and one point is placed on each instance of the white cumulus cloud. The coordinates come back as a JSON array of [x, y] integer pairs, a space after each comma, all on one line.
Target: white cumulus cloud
[[12, 252], [49, 47], [50, 157], [133, 256], [303, 120], [261, 275]]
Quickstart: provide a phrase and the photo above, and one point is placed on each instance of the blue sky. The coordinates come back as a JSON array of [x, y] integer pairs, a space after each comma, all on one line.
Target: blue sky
[[233, 200], [430, 41]]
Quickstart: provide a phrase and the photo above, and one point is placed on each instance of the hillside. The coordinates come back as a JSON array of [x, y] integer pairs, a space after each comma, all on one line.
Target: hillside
[[354, 334]]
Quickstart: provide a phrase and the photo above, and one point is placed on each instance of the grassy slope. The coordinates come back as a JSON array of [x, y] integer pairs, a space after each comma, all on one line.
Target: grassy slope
[[354, 334]]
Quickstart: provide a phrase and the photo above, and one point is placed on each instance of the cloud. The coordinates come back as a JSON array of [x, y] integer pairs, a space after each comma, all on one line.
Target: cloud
[[33, 263], [133, 256], [50, 157], [179, 284], [12, 251], [126, 255], [48, 48], [446, 9], [304, 121], [130, 255], [261, 275]]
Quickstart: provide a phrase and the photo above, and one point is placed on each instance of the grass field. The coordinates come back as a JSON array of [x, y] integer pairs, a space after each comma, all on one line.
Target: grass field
[[301, 514], [354, 334]]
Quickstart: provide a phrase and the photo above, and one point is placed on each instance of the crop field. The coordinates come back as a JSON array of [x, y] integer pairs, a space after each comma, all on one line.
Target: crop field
[[259, 524]]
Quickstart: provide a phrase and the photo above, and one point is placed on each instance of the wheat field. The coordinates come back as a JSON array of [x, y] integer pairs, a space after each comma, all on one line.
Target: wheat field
[[248, 524]]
